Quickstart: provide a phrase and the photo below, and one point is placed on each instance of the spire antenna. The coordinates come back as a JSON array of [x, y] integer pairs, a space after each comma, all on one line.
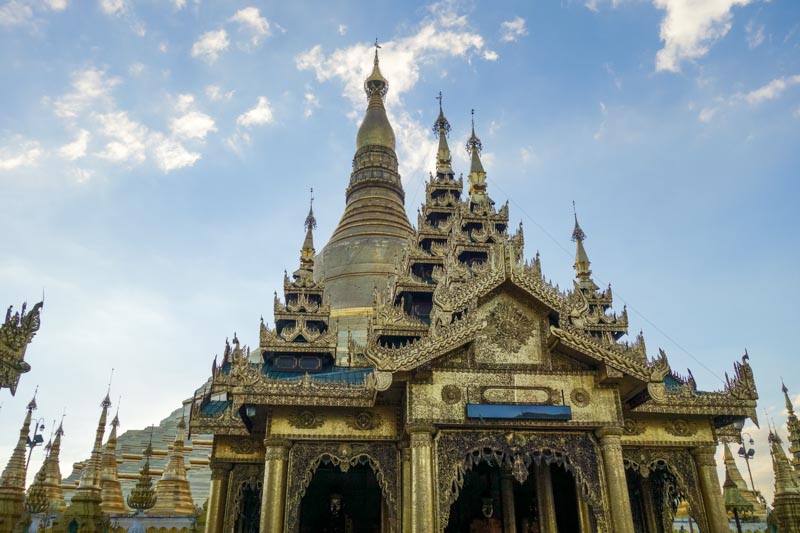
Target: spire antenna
[[440, 101]]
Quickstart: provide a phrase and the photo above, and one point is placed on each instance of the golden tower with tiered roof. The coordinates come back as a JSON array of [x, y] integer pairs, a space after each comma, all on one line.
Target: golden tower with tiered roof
[[431, 379]]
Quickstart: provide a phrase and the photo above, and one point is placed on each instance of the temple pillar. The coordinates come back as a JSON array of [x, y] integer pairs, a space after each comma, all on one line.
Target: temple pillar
[[273, 492], [714, 506], [546, 499], [217, 496], [649, 506], [507, 496], [405, 480], [584, 513], [423, 519], [616, 484]]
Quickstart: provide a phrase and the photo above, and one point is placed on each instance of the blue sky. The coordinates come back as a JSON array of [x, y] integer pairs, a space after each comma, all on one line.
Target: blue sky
[[156, 157]]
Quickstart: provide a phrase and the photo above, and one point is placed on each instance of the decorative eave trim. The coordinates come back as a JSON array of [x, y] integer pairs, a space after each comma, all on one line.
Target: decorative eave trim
[[588, 346]]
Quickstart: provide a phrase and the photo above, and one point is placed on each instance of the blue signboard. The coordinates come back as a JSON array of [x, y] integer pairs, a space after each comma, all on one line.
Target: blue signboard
[[519, 412]]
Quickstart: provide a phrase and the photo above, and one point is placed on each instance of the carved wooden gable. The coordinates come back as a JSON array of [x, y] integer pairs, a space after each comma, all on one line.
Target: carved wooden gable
[[513, 333]]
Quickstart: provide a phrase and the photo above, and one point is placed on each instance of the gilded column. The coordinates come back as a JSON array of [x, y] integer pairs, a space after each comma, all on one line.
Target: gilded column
[[405, 473], [584, 513], [507, 495], [423, 519], [617, 485], [273, 493], [709, 486], [545, 499], [218, 494]]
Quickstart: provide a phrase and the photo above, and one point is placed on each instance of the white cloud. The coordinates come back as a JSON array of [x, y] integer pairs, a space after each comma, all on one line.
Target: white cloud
[[136, 69], [251, 21], [511, 30], [192, 125], [163, 47], [796, 112], [184, 102], [342, 29], [755, 34], [706, 114], [20, 152], [690, 27], [170, 154], [179, 4], [77, 148], [528, 155], [490, 55], [82, 175], [14, 13], [434, 39], [113, 7], [236, 142], [771, 90], [128, 138], [210, 44], [89, 86], [311, 102], [17, 12], [216, 93], [258, 116], [56, 5]]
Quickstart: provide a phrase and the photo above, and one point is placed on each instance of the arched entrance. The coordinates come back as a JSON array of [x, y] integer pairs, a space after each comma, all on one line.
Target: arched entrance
[[244, 498], [493, 498], [523, 460], [342, 502], [659, 482], [352, 485]]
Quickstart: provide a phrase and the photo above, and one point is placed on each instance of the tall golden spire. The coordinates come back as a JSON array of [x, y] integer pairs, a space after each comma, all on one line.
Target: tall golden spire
[[109, 476], [52, 482], [172, 491], [12, 482], [374, 227], [477, 175], [85, 506], [441, 127]]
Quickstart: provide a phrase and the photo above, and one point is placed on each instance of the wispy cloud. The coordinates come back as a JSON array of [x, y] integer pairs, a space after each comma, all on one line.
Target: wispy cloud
[[90, 87], [754, 34], [511, 30], [252, 23], [259, 115], [209, 46], [771, 90], [19, 152], [77, 148]]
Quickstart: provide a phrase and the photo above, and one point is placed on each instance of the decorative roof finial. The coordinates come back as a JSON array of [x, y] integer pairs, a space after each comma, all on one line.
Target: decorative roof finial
[[376, 84], [582, 263], [474, 143], [311, 222], [577, 232]]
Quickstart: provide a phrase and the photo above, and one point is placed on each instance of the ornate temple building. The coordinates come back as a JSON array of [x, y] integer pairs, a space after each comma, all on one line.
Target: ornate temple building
[[429, 379]]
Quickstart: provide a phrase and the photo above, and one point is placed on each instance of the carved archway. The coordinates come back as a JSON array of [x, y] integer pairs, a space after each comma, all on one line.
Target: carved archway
[[305, 459], [458, 451], [680, 465], [242, 477]]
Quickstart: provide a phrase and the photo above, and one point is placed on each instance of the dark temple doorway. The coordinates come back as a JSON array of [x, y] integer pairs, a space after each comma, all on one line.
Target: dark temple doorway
[[342, 502], [249, 510]]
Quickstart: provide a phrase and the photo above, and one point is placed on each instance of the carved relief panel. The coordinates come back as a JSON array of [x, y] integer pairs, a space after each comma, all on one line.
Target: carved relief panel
[[513, 334], [375, 423]]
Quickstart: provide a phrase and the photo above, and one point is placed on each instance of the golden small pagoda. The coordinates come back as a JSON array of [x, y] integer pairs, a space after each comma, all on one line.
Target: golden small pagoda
[[111, 490], [785, 513], [52, 481], [12, 481], [174, 496], [84, 511], [16, 333], [753, 497], [431, 379]]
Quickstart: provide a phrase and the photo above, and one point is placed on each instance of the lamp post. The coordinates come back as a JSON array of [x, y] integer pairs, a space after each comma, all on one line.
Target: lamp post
[[747, 454], [36, 440]]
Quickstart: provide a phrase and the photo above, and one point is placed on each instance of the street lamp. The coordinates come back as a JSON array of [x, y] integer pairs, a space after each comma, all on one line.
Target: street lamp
[[747, 454], [36, 440]]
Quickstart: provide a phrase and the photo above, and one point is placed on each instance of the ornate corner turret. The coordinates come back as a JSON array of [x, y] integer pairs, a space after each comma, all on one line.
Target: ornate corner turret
[[173, 494], [143, 496], [477, 175], [111, 489], [590, 308], [793, 427], [12, 481], [16, 333], [786, 501]]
